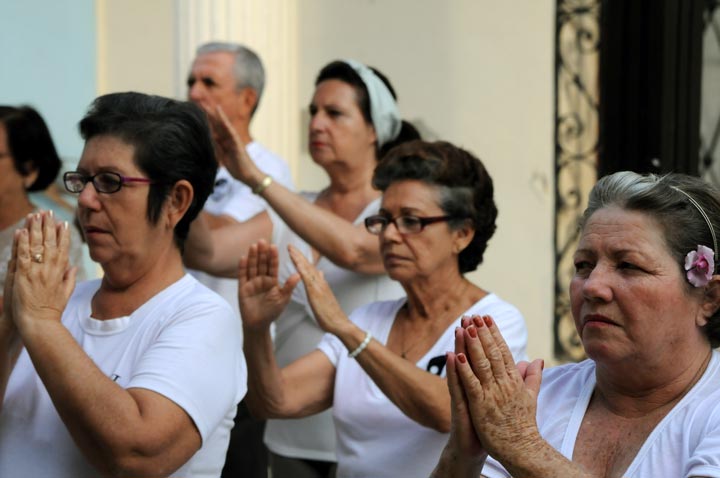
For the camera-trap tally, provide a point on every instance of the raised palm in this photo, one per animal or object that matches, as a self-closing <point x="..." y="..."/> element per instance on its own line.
<point x="262" y="298"/>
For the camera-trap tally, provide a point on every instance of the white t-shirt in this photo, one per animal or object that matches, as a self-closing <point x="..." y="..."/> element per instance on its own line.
<point x="297" y="334"/>
<point x="686" y="443"/>
<point x="375" y="438"/>
<point x="183" y="343"/>
<point x="231" y="197"/>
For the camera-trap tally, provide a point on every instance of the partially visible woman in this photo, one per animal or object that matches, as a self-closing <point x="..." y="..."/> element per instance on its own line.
<point x="28" y="163"/>
<point x="646" y="403"/>
<point x="138" y="373"/>
<point x="383" y="369"/>
<point x="354" y="121"/>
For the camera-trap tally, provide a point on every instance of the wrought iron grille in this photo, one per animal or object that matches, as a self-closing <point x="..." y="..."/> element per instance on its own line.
<point x="577" y="49"/>
<point x="710" y="103"/>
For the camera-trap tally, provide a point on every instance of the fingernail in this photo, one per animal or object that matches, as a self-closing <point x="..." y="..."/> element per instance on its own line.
<point x="65" y="225"/>
<point x="461" y="358"/>
<point x="488" y="320"/>
<point x="472" y="332"/>
<point x="478" y="321"/>
<point x="542" y="364"/>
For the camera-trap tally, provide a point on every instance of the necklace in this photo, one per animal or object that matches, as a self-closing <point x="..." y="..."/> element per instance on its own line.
<point x="404" y="351"/>
<point x="441" y="321"/>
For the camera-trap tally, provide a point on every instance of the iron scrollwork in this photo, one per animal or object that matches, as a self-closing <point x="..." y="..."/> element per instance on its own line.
<point x="577" y="50"/>
<point x="710" y="111"/>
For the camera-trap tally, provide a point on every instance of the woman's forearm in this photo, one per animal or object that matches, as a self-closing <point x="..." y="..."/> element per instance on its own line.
<point x="453" y="464"/>
<point x="218" y="251"/>
<point x="422" y="396"/>
<point x="302" y="388"/>
<point x="9" y="353"/>
<point x="345" y="244"/>
<point x="107" y="422"/>
<point x="265" y="395"/>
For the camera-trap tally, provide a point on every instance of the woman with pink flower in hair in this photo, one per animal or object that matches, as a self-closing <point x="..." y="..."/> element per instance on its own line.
<point x="645" y="299"/>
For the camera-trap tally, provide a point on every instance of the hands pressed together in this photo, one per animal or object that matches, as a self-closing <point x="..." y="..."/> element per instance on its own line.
<point x="493" y="399"/>
<point x="39" y="280"/>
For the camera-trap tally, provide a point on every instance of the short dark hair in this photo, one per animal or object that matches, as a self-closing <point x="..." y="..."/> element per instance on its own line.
<point x="466" y="188"/>
<point x="31" y="145"/>
<point x="682" y="224"/>
<point x="171" y="140"/>
<point x="339" y="70"/>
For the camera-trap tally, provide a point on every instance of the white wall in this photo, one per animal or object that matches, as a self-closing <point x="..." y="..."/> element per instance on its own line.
<point x="136" y="46"/>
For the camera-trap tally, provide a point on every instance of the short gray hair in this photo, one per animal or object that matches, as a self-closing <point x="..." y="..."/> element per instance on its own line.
<point x="660" y="198"/>
<point x="248" y="69"/>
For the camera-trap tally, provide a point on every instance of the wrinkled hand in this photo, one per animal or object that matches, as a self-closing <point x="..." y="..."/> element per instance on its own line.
<point x="39" y="280"/>
<point x="230" y="148"/>
<point x="501" y="396"/>
<point x="328" y="313"/>
<point x="261" y="297"/>
<point x="463" y="438"/>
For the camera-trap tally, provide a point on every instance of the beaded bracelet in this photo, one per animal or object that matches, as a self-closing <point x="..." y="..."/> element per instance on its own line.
<point x="363" y="345"/>
<point x="262" y="186"/>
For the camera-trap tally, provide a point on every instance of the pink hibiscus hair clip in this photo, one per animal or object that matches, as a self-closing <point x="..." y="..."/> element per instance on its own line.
<point x="700" y="266"/>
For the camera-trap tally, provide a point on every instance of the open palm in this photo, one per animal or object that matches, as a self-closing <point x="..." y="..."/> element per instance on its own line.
<point x="262" y="298"/>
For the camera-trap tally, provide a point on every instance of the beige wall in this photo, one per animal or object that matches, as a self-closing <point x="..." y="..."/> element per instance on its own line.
<point x="478" y="73"/>
<point x="136" y="46"/>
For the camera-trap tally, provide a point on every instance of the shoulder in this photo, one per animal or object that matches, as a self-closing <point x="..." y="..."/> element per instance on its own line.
<point x="567" y="379"/>
<point x="381" y="310"/>
<point x="189" y="303"/>
<point x="84" y="290"/>
<point x="188" y="292"/>
<point x="508" y="319"/>
<point x="704" y="399"/>
<point x="270" y="163"/>
<point x="493" y="304"/>
<point x="506" y="316"/>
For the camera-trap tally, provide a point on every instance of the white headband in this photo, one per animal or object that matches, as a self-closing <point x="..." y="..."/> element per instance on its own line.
<point x="383" y="108"/>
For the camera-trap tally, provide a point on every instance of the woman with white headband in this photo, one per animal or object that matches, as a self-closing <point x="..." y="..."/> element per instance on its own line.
<point x="354" y="120"/>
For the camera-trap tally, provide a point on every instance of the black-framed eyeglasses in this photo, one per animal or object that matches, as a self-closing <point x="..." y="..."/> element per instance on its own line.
<point x="105" y="182"/>
<point x="405" y="224"/>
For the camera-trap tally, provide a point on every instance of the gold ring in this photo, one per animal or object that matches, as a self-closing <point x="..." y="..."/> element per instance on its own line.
<point x="37" y="258"/>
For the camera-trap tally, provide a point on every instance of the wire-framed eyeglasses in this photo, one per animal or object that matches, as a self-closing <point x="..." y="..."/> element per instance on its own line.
<point x="405" y="224"/>
<point x="105" y="182"/>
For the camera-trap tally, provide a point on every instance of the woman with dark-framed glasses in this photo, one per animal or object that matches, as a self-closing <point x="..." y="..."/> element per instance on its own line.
<point x="137" y="373"/>
<point x="383" y="368"/>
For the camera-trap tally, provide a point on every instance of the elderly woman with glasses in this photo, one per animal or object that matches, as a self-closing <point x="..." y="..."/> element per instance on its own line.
<point x="138" y="373"/>
<point x="383" y="368"/>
